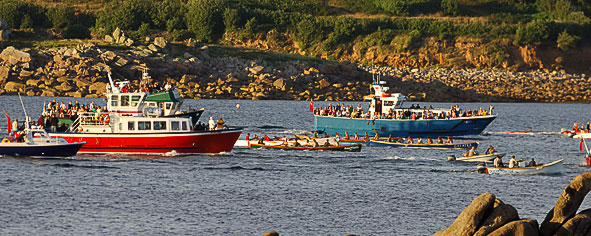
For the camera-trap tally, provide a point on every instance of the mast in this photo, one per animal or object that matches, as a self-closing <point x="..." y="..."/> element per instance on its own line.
<point x="25" y="111"/>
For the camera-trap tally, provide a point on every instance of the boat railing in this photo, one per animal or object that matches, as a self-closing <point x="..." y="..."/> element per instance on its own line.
<point x="91" y="118"/>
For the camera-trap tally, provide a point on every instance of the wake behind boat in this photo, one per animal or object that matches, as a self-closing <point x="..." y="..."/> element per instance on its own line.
<point x="551" y="168"/>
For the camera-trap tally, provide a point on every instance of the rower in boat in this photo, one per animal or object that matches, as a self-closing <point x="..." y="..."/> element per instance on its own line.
<point x="347" y="135"/>
<point x="490" y="150"/>
<point x="439" y="140"/>
<point x="448" y="141"/>
<point x="498" y="162"/>
<point x="366" y="137"/>
<point x="409" y="140"/>
<point x="419" y="141"/>
<point x="356" y="136"/>
<point x="429" y="141"/>
<point x="472" y="152"/>
<point x="376" y="137"/>
<point x="314" y="143"/>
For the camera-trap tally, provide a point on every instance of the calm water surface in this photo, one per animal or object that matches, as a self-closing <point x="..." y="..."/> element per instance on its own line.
<point x="379" y="191"/>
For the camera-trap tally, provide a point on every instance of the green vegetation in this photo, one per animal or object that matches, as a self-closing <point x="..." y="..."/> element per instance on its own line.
<point x="315" y="25"/>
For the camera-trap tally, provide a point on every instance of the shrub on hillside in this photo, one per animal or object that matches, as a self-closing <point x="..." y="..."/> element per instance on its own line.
<point x="125" y="14"/>
<point x="22" y="15"/>
<point x="77" y="31"/>
<point x="566" y="41"/>
<point x="204" y="19"/>
<point x="231" y="19"/>
<point x="169" y="15"/>
<point x="61" y="17"/>
<point x="392" y="7"/>
<point x="344" y="29"/>
<point x="534" y="31"/>
<point x="450" y="7"/>
<point x="308" y="32"/>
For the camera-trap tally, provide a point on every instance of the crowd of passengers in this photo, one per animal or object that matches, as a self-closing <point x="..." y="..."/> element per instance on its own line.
<point x="144" y="86"/>
<point x="342" y="110"/>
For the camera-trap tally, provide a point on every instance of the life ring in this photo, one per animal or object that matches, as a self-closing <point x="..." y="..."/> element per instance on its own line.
<point x="386" y="95"/>
<point x="105" y="118"/>
<point x="5" y="140"/>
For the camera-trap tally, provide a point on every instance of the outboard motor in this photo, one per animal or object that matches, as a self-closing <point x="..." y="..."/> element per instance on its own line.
<point x="451" y="158"/>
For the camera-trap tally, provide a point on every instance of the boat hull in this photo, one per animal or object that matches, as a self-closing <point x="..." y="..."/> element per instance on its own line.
<point x="403" y="128"/>
<point x="464" y="145"/>
<point x="42" y="150"/>
<point x="344" y="148"/>
<point x="552" y="168"/>
<point x="206" y="142"/>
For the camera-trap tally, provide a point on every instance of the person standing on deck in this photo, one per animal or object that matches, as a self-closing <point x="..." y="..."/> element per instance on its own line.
<point x="211" y="123"/>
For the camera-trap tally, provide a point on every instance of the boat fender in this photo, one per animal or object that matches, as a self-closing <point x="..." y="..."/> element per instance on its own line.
<point x="451" y="158"/>
<point x="5" y="140"/>
<point x="105" y="118"/>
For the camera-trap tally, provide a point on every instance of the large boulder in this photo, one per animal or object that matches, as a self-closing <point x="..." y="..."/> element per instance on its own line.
<point x="578" y="225"/>
<point x="271" y="233"/>
<point x="524" y="227"/>
<point x="4" y="73"/>
<point x="500" y="215"/>
<point x="567" y="205"/>
<point x="160" y="42"/>
<point x="471" y="218"/>
<point x="13" y="55"/>
<point x="14" y="87"/>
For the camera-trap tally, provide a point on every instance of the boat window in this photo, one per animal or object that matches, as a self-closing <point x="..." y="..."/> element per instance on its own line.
<point x="159" y="125"/>
<point x="130" y="125"/>
<point x="114" y="100"/>
<point x="144" y="125"/>
<point x="38" y="135"/>
<point x="184" y="123"/>
<point x="135" y="99"/>
<point x="120" y="126"/>
<point x="174" y="125"/>
<point x="125" y="100"/>
<point x="388" y="103"/>
<point x="168" y="105"/>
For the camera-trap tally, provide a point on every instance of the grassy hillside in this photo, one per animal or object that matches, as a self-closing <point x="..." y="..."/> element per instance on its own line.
<point x="318" y="27"/>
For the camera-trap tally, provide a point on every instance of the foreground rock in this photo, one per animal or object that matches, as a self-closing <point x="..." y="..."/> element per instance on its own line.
<point x="487" y="215"/>
<point x="566" y="207"/>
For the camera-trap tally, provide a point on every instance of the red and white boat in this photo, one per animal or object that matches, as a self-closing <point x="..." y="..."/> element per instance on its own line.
<point x="146" y="123"/>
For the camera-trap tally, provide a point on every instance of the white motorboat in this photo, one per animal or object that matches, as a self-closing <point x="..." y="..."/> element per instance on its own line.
<point x="551" y="168"/>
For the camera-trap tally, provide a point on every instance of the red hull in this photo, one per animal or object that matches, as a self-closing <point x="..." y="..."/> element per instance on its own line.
<point x="210" y="142"/>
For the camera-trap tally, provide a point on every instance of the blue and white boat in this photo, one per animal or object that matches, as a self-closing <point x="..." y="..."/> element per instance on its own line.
<point x="396" y="121"/>
<point x="37" y="143"/>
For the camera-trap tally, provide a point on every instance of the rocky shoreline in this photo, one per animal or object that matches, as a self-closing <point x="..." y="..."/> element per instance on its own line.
<point x="201" y="71"/>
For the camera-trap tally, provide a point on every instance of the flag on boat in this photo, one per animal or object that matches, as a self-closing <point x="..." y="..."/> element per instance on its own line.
<point x="581" y="145"/>
<point x="312" y="106"/>
<point x="8" y="119"/>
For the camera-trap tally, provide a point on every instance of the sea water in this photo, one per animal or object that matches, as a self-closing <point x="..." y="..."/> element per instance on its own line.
<point x="378" y="191"/>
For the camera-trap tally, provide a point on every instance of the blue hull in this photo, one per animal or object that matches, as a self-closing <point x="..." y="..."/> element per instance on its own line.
<point x="62" y="150"/>
<point x="403" y="128"/>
